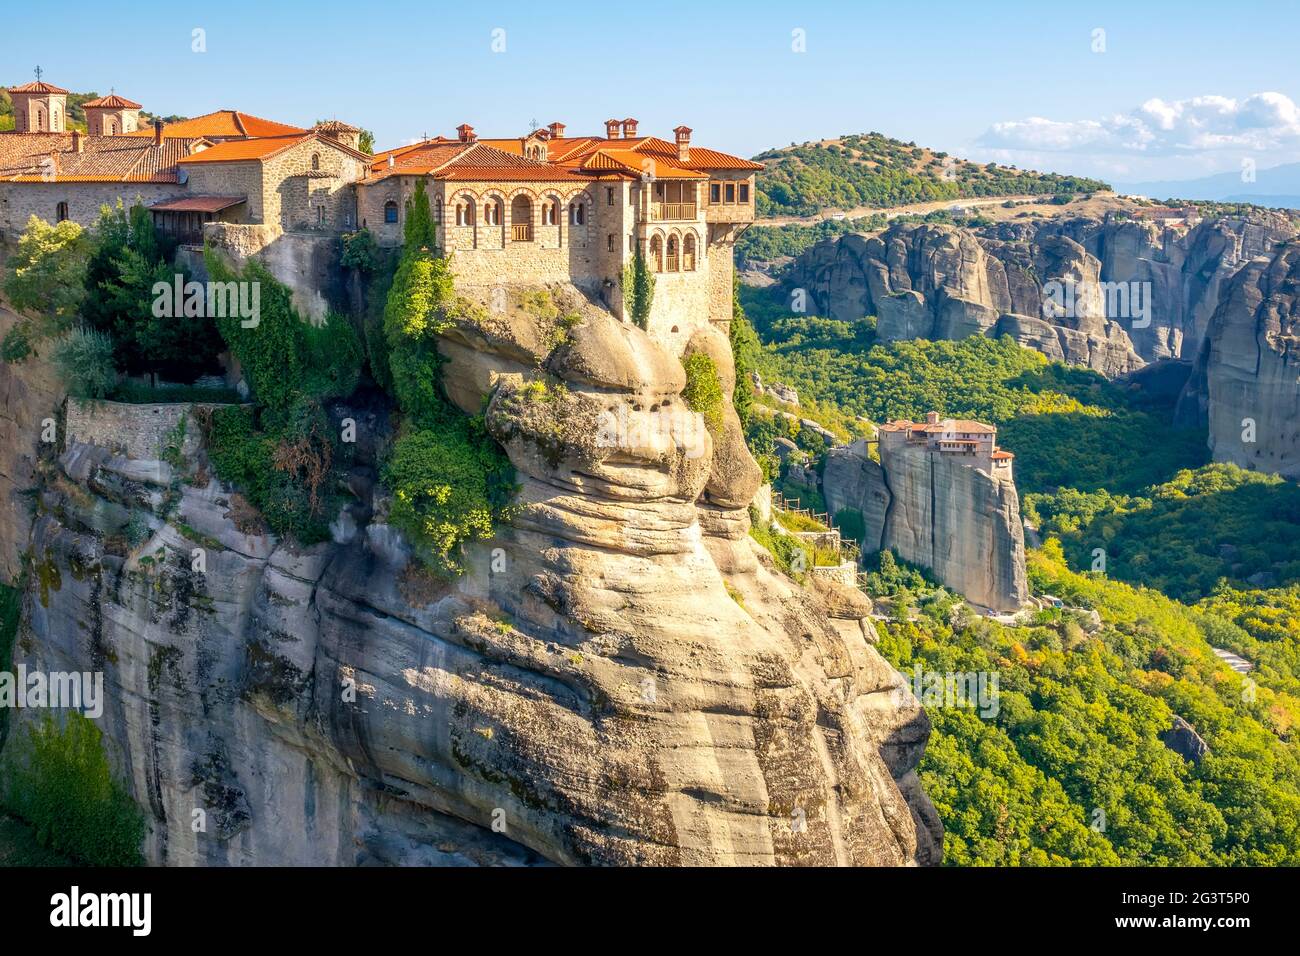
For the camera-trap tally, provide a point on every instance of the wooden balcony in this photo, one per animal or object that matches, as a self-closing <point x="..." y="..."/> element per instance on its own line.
<point x="672" y="211"/>
<point x="672" y="263"/>
<point x="522" y="233"/>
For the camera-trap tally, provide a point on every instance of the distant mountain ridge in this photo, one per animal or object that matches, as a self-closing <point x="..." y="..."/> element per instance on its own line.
<point x="1277" y="186"/>
<point x="872" y="170"/>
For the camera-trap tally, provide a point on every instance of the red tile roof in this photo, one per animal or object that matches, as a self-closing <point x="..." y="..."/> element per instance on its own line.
<point x="238" y="150"/>
<point x="111" y="102"/>
<point x="223" y="124"/>
<point x="40" y="157"/>
<point x="198" y="204"/>
<point x="241" y="150"/>
<point x="39" y="87"/>
<point x="568" y="158"/>
<point x="946" y="426"/>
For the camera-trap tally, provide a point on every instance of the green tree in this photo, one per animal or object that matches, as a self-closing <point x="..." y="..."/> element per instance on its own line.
<point x="638" y="289"/>
<point x="84" y="359"/>
<point x="44" y="273"/>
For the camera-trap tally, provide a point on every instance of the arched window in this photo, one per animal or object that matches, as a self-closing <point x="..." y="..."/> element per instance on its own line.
<point x="110" y="128"/>
<point x="577" y="213"/>
<point x="550" y="212"/>
<point x="657" y="254"/>
<point x="688" y="252"/>
<point x="673" y="263"/>
<point x="437" y="210"/>
<point x="61" y="212"/>
<point x="521" y="219"/>
<point x="315" y="160"/>
<point x="54" y="120"/>
<point x="492" y="212"/>
<point x="40" y="120"/>
<point x="390" y="211"/>
<point x="465" y="211"/>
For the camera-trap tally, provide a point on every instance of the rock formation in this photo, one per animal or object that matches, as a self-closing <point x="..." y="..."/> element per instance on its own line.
<point x="1245" y="385"/>
<point x="946" y="282"/>
<point x="620" y="677"/>
<point x="961" y="522"/>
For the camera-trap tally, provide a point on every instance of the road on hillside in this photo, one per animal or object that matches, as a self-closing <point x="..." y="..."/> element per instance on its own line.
<point x="891" y="212"/>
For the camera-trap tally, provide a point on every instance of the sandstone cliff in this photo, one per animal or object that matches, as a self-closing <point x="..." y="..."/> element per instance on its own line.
<point x="620" y="677"/>
<point x="946" y="282"/>
<point x="962" y="523"/>
<point x="1245" y="385"/>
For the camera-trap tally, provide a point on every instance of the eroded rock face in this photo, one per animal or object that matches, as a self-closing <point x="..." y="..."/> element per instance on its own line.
<point x="621" y="677"/>
<point x="945" y="282"/>
<point x="962" y="523"/>
<point x="1246" y="382"/>
<point x="30" y="396"/>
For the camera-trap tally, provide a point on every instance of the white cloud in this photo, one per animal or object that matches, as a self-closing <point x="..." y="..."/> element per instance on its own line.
<point x="1261" y="122"/>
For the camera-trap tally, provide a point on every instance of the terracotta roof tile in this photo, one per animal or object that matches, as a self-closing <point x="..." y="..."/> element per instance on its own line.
<point x="35" y="157"/>
<point x="198" y="203"/>
<point x="39" y="87"/>
<point x="223" y="124"/>
<point x="238" y="150"/>
<point x="111" y="102"/>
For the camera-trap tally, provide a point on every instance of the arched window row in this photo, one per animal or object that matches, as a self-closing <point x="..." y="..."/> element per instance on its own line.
<point x="675" y="254"/>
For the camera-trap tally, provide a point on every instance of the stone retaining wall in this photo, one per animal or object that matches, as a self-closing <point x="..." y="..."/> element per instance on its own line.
<point x="141" y="432"/>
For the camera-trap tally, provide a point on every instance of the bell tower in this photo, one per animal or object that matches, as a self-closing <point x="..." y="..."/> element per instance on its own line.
<point x="39" y="107"/>
<point x="111" y="115"/>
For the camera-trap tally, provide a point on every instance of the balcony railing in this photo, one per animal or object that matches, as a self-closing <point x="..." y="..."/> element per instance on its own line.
<point x="522" y="233"/>
<point x="672" y="263"/>
<point x="672" y="211"/>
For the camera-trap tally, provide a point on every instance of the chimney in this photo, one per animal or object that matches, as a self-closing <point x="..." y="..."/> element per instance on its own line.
<point x="158" y="131"/>
<point x="557" y="130"/>
<point x="629" y="129"/>
<point x="467" y="134"/>
<point x="683" y="143"/>
<point x="932" y="418"/>
<point x="77" y="146"/>
<point x="611" y="128"/>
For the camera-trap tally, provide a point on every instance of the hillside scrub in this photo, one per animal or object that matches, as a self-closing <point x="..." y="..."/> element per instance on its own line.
<point x="873" y="170"/>
<point x="450" y="481"/>
<point x="59" y="781"/>
<point x="284" y="453"/>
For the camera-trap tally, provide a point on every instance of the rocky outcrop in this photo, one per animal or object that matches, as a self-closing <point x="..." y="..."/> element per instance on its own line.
<point x="1110" y="295"/>
<point x="1245" y="386"/>
<point x="1183" y="740"/>
<point x="30" y="399"/>
<point x="959" y="521"/>
<point x="620" y="677"/>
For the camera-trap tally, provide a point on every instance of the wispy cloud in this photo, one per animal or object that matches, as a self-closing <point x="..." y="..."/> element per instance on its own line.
<point x="1261" y="122"/>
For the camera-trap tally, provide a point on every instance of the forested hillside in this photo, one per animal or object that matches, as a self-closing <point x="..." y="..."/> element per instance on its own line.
<point x="876" y="171"/>
<point x="1072" y="769"/>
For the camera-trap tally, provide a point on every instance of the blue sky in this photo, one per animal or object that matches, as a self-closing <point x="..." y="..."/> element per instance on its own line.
<point x="1018" y="82"/>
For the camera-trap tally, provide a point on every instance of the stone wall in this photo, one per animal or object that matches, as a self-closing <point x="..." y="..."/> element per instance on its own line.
<point x="286" y="190"/>
<point x="140" y="432"/>
<point x="20" y="201"/>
